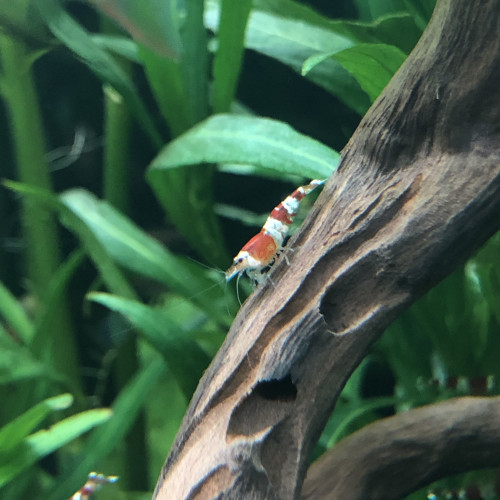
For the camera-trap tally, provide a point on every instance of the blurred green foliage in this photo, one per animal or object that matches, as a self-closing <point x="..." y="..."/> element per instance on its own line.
<point x="111" y="290"/>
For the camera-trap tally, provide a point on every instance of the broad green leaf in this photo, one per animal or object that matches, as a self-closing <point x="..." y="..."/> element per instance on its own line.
<point x="41" y="443"/>
<point x="76" y="38"/>
<point x="291" y="32"/>
<point x="256" y="171"/>
<point x="267" y="143"/>
<point x="184" y="357"/>
<point x="245" y="217"/>
<point x="14" y="315"/>
<point x="14" y="432"/>
<point x="109" y="435"/>
<point x="291" y="41"/>
<point x="373" y="65"/>
<point x="421" y="10"/>
<point x="227" y="63"/>
<point x="395" y="28"/>
<point x="135" y="250"/>
<point x="398" y="30"/>
<point x="153" y="23"/>
<point x="381" y="7"/>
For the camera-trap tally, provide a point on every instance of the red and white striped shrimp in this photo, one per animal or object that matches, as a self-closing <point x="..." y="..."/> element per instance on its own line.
<point x="94" y="482"/>
<point x="262" y="249"/>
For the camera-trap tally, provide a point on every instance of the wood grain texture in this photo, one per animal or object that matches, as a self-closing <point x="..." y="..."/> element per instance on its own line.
<point x="417" y="192"/>
<point x="395" y="456"/>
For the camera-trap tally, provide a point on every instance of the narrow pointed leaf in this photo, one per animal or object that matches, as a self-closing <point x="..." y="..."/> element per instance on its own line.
<point x="76" y="38"/>
<point x="40" y="444"/>
<point x="132" y="248"/>
<point x="184" y="357"/>
<point x="14" y="432"/>
<point x="14" y="315"/>
<point x="109" y="435"/>
<point x="228" y="58"/>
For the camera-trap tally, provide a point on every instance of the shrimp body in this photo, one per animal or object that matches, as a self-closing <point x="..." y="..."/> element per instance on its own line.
<point x="94" y="483"/>
<point x="262" y="249"/>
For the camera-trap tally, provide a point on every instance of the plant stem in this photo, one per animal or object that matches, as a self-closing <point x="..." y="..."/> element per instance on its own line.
<point x="116" y="183"/>
<point x="39" y="227"/>
<point x="116" y="190"/>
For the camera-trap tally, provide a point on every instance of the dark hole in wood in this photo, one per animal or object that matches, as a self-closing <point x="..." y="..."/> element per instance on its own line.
<point x="282" y="389"/>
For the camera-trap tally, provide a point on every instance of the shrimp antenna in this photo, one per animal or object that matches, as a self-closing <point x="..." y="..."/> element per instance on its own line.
<point x="238" y="288"/>
<point x="214" y="268"/>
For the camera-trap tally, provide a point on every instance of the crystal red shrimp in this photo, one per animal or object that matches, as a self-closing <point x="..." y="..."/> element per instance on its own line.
<point x="262" y="249"/>
<point x="94" y="482"/>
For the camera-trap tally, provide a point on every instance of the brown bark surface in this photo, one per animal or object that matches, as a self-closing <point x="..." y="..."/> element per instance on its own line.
<point x="395" y="456"/>
<point x="417" y="192"/>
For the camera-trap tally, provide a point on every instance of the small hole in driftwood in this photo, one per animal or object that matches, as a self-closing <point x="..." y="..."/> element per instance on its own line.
<point x="277" y="389"/>
<point x="269" y="402"/>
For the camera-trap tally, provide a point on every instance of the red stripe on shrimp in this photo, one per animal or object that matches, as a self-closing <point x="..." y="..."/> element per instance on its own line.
<point x="262" y="249"/>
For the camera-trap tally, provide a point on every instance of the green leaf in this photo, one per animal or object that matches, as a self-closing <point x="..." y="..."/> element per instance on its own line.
<point x="381" y="7"/>
<point x="46" y="441"/>
<point x="194" y="63"/>
<point x="71" y="34"/>
<point x="181" y="89"/>
<point x="42" y="345"/>
<point x="153" y="23"/>
<point x="110" y="273"/>
<point x="40" y="444"/>
<point x="120" y="45"/>
<point x="109" y="435"/>
<point x="399" y="30"/>
<point x="292" y="39"/>
<point x="227" y="63"/>
<point x="132" y="248"/>
<point x="373" y="65"/>
<point x="270" y="144"/>
<point x="245" y="217"/>
<point x="166" y="81"/>
<point x="14" y="432"/>
<point x="394" y="28"/>
<point x="17" y="363"/>
<point x="421" y="11"/>
<point x="109" y="236"/>
<point x="181" y="86"/>
<point x="291" y="33"/>
<point x="356" y="410"/>
<point x="184" y="357"/>
<point x="13" y="314"/>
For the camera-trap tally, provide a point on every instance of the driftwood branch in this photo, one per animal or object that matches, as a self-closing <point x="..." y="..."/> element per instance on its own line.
<point x="417" y="192"/>
<point x="395" y="456"/>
